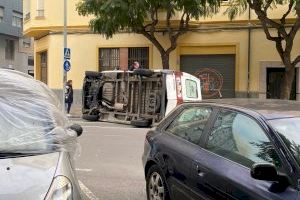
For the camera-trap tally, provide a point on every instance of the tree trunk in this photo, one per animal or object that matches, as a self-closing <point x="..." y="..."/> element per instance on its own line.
<point x="288" y="80"/>
<point x="165" y="60"/>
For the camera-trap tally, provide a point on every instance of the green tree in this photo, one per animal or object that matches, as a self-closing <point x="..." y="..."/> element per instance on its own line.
<point x="142" y="17"/>
<point x="279" y="31"/>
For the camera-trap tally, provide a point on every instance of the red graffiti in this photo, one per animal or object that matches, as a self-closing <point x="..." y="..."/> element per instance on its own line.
<point x="211" y="82"/>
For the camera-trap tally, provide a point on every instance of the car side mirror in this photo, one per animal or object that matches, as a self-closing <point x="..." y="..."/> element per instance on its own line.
<point x="268" y="172"/>
<point x="77" y="128"/>
<point x="264" y="171"/>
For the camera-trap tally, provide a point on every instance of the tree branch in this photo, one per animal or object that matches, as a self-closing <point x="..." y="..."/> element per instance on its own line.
<point x="184" y="23"/>
<point x="280" y="50"/>
<point x="154" y="19"/>
<point x="168" y="19"/>
<point x="262" y="15"/>
<point x="296" y="61"/>
<point x="267" y="32"/>
<point x="295" y="28"/>
<point x="268" y="4"/>
<point x="291" y="4"/>
<point x="152" y="39"/>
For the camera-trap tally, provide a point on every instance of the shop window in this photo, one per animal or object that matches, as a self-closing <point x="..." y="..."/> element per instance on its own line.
<point x="109" y="59"/>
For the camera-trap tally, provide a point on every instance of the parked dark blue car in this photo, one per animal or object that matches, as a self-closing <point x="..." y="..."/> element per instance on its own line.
<point x="225" y="149"/>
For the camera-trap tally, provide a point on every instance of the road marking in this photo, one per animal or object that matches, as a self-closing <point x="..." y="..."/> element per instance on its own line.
<point x="87" y="191"/>
<point x="109" y="127"/>
<point x="83" y="170"/>
<point x="112" y="135"/>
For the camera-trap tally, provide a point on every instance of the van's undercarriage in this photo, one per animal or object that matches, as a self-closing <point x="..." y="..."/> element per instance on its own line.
<point x="137" y="97"/>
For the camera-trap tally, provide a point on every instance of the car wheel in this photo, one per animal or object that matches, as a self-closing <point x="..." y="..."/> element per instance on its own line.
<point x="92" y="118"/>
<point x="143" y="72"/>
<point x="141" y="123"/>
<point x="156" y="186"/>
<point x="92" y="74"/>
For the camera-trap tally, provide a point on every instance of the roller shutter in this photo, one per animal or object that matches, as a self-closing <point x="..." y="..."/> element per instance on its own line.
<point x="216" y="72"/>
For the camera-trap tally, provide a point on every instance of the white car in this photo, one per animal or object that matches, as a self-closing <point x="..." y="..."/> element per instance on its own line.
<point x="141" y="97"/>
<point x="37" y="145"/>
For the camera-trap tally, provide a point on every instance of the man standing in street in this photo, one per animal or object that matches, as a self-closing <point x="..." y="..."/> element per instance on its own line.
<point x="69" y="97"/>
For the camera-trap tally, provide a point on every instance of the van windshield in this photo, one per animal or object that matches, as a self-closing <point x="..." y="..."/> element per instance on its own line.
<point x="191" y="89"/>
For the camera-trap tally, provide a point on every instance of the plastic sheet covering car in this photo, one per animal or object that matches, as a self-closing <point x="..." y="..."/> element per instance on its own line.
<point x="31" y="120"/>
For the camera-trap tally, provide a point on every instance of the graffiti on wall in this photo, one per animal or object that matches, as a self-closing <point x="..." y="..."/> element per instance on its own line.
<point x="211" y="82"/>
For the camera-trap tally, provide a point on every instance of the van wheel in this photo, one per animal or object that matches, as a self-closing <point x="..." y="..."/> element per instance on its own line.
<point x="93" y="74"/>
<point x="141" y="123"/>
<point x="143" y="72"/>
<point x="92" y="118"/>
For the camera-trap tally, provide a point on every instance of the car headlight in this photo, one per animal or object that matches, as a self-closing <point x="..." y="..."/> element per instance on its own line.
<point x="61" y="189"/>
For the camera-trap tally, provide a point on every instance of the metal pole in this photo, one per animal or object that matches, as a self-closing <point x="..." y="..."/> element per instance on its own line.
<point x="249" y="54"/>
<point x="65" y="46"/>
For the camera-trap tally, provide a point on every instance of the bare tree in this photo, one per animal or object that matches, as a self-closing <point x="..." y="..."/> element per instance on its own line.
<point x="285" y="33"/>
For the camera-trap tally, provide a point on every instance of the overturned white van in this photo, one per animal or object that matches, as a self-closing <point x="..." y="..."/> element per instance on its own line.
<point x="141" y="97"/>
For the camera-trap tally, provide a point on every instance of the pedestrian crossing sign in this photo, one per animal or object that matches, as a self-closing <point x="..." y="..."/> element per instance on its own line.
<point x="67" y="53"/>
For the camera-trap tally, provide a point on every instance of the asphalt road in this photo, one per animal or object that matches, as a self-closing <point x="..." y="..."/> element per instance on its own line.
<point x="110" y="166"/>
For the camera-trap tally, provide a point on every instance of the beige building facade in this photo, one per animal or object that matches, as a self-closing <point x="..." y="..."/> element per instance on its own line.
<point x="231" y="56"/>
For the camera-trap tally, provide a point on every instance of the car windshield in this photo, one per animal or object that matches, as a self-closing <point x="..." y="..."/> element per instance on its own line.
<point x="288" y="129"/>
<point x="31" y="120"/>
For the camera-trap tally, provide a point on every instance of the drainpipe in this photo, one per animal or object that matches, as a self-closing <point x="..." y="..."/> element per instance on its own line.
<point x="249" y="53"/>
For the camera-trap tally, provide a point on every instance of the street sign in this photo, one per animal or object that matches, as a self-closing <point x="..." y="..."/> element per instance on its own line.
<point x="67" y="65"/>
<point x="67" y="53"/>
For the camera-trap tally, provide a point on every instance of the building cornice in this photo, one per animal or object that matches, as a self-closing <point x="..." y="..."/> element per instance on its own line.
<point x="40" y="31"/>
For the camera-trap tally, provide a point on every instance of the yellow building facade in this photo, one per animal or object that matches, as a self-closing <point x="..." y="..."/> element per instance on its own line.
<point x="214" y="45"/>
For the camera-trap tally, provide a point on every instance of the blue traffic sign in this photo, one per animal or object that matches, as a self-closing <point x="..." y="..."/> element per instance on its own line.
<point x="67" y="53"/>
<point x="67" y="65"/>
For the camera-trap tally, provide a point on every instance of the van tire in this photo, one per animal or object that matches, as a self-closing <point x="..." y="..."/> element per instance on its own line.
<point x="143" y="72"/>
<point x="91" y="118"/>
<point x="141" y="123"/>
<point x="92" y="74"/>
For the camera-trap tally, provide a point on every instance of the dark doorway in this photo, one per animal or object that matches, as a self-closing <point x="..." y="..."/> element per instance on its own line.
<point x="44" y="67"/>
<point x="274" y="83"/>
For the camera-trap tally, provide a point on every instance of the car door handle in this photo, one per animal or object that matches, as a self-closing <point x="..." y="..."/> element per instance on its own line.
<point x="200" y="172"/>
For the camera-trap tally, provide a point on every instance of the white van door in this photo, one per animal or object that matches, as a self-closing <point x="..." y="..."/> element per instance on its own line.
<point x="191" y="88"/>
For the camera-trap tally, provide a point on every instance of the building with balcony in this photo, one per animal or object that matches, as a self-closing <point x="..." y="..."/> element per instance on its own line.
<point x="233" y="56"/>
<point x="16" y="51"/>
